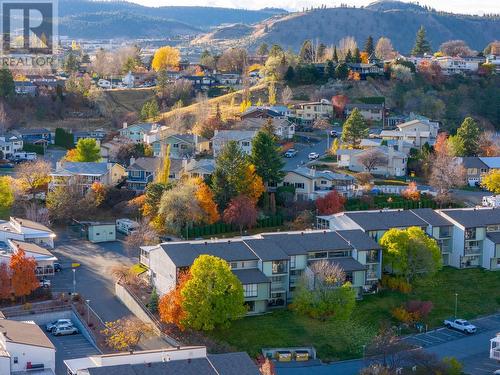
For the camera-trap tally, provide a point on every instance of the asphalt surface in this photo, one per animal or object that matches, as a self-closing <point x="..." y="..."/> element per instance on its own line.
<point x="70" y="347"/>
<point x="303" y="151"/>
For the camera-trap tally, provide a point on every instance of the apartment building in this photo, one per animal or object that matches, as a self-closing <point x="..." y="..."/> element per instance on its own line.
<point x="269" y="265"/>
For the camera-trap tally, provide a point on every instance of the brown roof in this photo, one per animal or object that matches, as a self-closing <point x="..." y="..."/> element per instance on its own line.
<point x="31" y="247"/>
<point x="24" y="333"/>
<point x="31" y="224"/>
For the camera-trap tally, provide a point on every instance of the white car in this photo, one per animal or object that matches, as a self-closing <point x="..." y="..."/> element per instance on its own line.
<point x="461" y="325"/>
<point x="64" y="330"/>
<point x="50" y="326"/>
<point x="45" y="283"/>
<point x="313" y="156"/>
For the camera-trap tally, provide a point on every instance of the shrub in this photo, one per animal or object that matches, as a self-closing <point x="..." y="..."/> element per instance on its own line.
<point x="402" y="315"/>
<point x="396" y="283"/>
<point x="420" y="308"/>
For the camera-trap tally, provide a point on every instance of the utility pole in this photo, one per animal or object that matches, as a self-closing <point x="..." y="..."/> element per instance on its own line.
<point x="456" y="304"/>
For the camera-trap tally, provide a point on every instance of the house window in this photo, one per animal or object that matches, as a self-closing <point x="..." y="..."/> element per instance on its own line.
<point x="293" y="261"/>
<point x="470" y="233"/>
<point x="250" y="305"/>
<point x="175" y="145"/>
<point x="135" y="173"/>
<point x="299" y="185"/>
<point x="323" y="182"/>
<point x="493" y="228"/>
<point x="16" y="360"/>
<point x="339" y="254"/>
<point x="245" y="144"/>
<point x="250" y="290"/>
<point x="318" y="255"/>
<point x="234" y="265"/>
<point x="279" y="266"/>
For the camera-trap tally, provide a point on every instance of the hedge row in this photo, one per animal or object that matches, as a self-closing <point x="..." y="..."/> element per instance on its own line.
<point x="220" y="228"/>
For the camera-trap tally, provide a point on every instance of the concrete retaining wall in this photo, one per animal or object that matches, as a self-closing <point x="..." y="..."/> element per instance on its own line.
<point x="44" y="318"/>
<point x="84" y="329"/>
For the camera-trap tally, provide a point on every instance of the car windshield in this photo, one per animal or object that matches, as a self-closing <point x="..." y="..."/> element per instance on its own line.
<point x="465" y="323"/>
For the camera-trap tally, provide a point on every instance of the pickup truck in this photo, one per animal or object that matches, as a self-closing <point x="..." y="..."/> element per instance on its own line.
<point x="460" y="325"/>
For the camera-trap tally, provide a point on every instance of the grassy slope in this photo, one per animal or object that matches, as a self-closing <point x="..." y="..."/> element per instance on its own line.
<point x="478" y="295"/>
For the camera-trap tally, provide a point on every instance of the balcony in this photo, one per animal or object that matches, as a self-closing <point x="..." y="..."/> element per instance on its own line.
<point x="279" y="267"/>
<point x="371" y="275"/>
<point x="278" y="287"/>
<point x="495" y="354"/>
<point x="472" y="250"/>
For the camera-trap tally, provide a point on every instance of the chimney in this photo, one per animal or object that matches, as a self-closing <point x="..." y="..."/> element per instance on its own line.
<point x="132" y="160"/>
<point x="125" y="125"/>
<point x="184" y="163"/>
<point x="313" y="172"/>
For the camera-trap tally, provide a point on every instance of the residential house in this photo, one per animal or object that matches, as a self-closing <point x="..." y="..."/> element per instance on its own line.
<point x="182" y="145"/>
<point x="266" y="112"/>
<point x="110" y="149"/>
<point x="201" y="83"/>
<point x="417" y="132"/>
<point x="394" y="165"/>
<point x="86" y="173"/>
<point x="10" y="144"/>
<point x="26" y="231"/>
<point x="475" y="230"/>
<point x="367" y="69"/>
<point x="269" y="265"/>
<point x="185" y="360"/>
<point x="283" y="128"/>
<point x="451" y="65"/>
<point x="310" y="184"/>
<point x="97" y="134"/>
<point x="144" y="170"/>
<point x="25" y="88"/>
<point x="243" y="138"/>
<point x="495" y="61"/>
<point x="24" y="348"/>
<point x="228" y="79"/>
<point x="370" y="112"/>
<point x="198" y="168"/>
<point x="38" y="136"/>
<point x="136" y="132"/>
<point x="44" y="258"/>
<point x="476" y="167"/>
<point x="312" y="111"/>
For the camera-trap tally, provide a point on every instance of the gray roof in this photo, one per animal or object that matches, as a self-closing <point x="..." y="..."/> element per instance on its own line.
<point x="234" y="135"/>
<point x="348" y="264"/>
<point x="472" y="217"/>
<point x="494" y="237"/>
<point x="238" y="363"/>
<point x="145" y="164"/>
<point x="385" y="220"/>
<point x="493" y="162"/>
<point x="31" y="131"/>
<point x="267" y="249"/>
<point x="251" y="276"/>
<point x="431" y="217"/>
<point x="145" y="126"/>
<point x="24" y="333"/>
<point x="303" y="242"/>
<point x="362" y="106"/>
<point x="183" y="254"/>
<point x="327" y="175"/>
<point x="473" y="162"/>
<point x="359" y="239"/>
<point x="86" y="168"/>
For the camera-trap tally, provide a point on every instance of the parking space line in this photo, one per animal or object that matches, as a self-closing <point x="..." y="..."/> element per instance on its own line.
<point x="421" y="339"/>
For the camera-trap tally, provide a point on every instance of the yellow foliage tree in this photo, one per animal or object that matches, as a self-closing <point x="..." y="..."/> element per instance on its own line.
<point x="364" y="57"/>
<point x="166" y="57"/>
<point x="206" y="201"/>
<point x="491" y="181"/>
<point x="253" y="185"/>
<point x="165" y="167"/>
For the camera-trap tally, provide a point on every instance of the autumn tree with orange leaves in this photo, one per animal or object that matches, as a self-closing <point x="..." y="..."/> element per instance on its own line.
<point x="170" y="305"/>
<point x="411" y="192"/>
<point x="24" y="280"/>
<point x="206" y="201"/>
<point x="331" y="203"/>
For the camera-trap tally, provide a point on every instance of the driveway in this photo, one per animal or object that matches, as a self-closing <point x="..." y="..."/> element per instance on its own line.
<point x="303" y="151"/>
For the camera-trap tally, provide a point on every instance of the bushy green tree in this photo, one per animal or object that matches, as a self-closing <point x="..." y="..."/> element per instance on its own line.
<point x="87" y="150"/>
<point x="213" y="296"/>
<point x="64" y="139"/>
<point x="266" y="157"/>
<point x="306" y="53"/>
<point x="422" y="45"/>
<point x="466" y="141"/>
<point x="6" y="193"/>
<point x="342" y="71"/>
<point x="150" y="109"/>
<point x="153" y="301"/>
<point x="7" y="87"/>
<point x="354" y="129"/>
<point x="410" y="253"/>
<point x="369" y="47"/>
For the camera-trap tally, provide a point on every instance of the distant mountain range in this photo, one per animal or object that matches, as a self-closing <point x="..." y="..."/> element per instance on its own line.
<point x="96" y="19"/>
<point x="122" y="19"/>
<point x="393" y="19"/>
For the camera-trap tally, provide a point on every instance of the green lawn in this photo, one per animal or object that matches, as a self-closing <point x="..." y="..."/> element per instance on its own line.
<point x="478" y="294"/>
<point x="4" y="214"/>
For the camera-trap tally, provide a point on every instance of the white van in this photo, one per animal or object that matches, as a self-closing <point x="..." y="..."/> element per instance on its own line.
<point x="24" y="156"/>
<point x="491" y="201"/>
<point x="126" y="226"/>
<point x="104" y="84"/>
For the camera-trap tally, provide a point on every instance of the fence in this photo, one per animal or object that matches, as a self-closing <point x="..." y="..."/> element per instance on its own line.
<point x="220" y="228"/>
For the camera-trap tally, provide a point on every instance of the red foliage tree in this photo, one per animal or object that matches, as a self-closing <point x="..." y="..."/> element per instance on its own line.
<point x="419" y="308"/>
<point x="241" y="211"/>
<point x="5" y="283"/>
<point x="431" y="71"/>
<point x="331" y="203"/>
<point x="339" y="102"/>
<point x="170" y="305"/>
<point x="24" y="280"/>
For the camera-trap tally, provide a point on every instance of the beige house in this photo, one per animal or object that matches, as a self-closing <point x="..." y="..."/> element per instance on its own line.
<point x="310" y="184"/>
<point x="395" y="164"/>
<point x="312" y="111"/>
<point x="243" y="138"/>
<point x="86" y="173"/>
<point x="418" y="132"/>
<point x="370" y="112"/>
<point x="283" y="128"/>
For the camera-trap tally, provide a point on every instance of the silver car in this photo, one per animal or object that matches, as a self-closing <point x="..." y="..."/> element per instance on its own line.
<point x="64" y="330"/>
<point x="50" y="326"/>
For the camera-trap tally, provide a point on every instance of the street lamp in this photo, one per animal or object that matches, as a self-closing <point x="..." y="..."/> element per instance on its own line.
<point x="456" y="304"/>
<point x="364" y="350"/>
<point x="74" y="280"/>
<point x="88" y="311"/>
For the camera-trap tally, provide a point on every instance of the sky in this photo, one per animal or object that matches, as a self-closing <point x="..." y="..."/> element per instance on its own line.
<point x="455" y="6"/>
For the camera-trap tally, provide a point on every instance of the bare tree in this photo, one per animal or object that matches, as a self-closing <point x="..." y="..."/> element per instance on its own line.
<point x="144" y="235"/>
<point x="456" y="48"/>
<point x="286" y="95"/>
<point x="36" y="213"/>
<point x="372" y="158"/>
<point x="346" y="44"/>
<point x="388" y="350"/>
<point x="34" y="176"/>
<point x="489" y="144"/>
<point x="384" y="49"/>
<point x="327" y="274"/>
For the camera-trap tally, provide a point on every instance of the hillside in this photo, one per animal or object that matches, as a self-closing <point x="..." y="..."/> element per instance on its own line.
<point x="122" y="19"/>
<point x="398" y="21"/>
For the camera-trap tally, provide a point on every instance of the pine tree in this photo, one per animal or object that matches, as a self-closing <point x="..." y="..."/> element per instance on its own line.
<point x="153" y="301"/>
<point x="341" y="71"/>
<point x="266" y="158"/>
<point x="356" y="58"/>
<point x="369" y="48"/>
<point x="348" y="57"/>
<point x="330" y="69"/>
<point x="354" y="129"/>
<point x="306" y="53"/>
<point x="320" y="54"/>
<point x="422" y="45"/>
<point x="466" y="142"/>
<point x="335" y="55"/>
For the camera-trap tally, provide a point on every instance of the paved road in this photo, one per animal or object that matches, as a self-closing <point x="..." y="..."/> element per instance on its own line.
<point x="303" y="151"/>
<point x="53" y="156"/>
<point x="70" y="347"/>
<point x="471" y="350"/>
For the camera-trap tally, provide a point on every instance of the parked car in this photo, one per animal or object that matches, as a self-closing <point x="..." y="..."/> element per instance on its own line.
<point x="313" y="156"/>
<point x="334" y="134"/>
<point x="50" y="326"/>
<point x="290" y="153"/>
<point x="64" y="330"/>
<point x="57" y="267"/>
<point x="460" y="325"/>
<point x="45" y="283"/>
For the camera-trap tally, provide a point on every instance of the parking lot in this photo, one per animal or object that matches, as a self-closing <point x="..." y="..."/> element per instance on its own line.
<point x="69" y="347"/>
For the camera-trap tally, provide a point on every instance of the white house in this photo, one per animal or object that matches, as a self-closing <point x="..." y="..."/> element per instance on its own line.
<point x="43" y="257"/>
<point x="394" y="165"/>
<point x="312" y="111"/>
<point x="243" y="138"/>
<point x="24" y="348"/>
<point x="136" y="132"/>
<point x="10" y="144"/>
<point x="27" y="231"/>
<point x="451" y="65"/>
<point x="415" y="131"/>
<point x="86" y="173"/>
<point x="283" y="128"/>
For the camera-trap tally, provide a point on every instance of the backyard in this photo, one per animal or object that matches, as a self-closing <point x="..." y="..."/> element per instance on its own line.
<point x="334" y="340"/>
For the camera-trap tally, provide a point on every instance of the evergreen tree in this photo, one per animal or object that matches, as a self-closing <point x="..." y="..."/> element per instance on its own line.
<point x="342" y="71"/>
<point x="348" y="57"/>
<point x="153" y="301"/>
<point x="466" y="142"/>
<point x="422" y="45"/>
<point x="263" y="49"/>
<point x="266" y="157"/>
<point x="306" y="53"/>
<point x="7" y="86"/>
<point x="289" y="74"/>
<point x="320" y="55"/>
<point x="369" y="48"/>
<point x="356" y="58"/>
<point x="275" y="50"/>
<point x="354" y="129"/>
<point x="335" y="55"/>
<point x="330" y="69"/>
